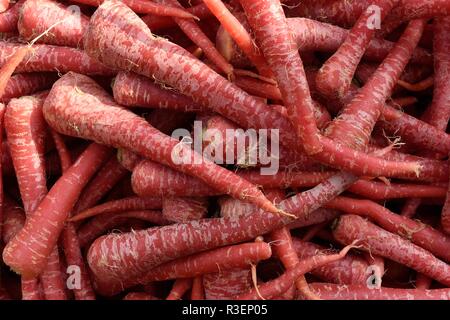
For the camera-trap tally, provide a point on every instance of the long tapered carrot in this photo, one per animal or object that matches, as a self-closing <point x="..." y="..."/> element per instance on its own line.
<point x="27" y="253"/>
<point x="336" y="74"/>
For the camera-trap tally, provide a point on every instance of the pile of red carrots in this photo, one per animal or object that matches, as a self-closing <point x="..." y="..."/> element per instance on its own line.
<point x="94" y="205"/>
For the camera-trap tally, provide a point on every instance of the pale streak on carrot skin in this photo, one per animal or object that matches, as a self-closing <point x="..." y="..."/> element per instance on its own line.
<point x="336" y="74"/>
<point x="281" y="284"/>
<point x="355" y="123"/>
<point x="53" y="58"/>
<point x="115" y="206"/>
<point x="67" y="27"/>
<point x="378" y="241"/>
<point x="329" y="291"/>
<point x="281" y="54"/>
<point x="9" y="18"/>
<point x="197" y="36"/>
<point x="45" y="224"/>
<point x="174" y="66"/>
<point x="69" y="110"/>
<point x="352" y="269"/>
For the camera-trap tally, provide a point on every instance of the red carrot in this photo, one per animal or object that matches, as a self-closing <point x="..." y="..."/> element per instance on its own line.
<point x="139" y="296"/>
<point x="133" y="90"/>
<point x="419" y="86"/>
<point x="376" y="240"/>
<point x="155" y="22"/>
<point x="351" y="269"/>
<point x="356" y="121"/>
<point x="197" y="36"/>
<point x="281" y="284"/>
<point x="239" y="34"/>
<point x="180" y="287"/>
<point x="9" y="18"/>
<point x="227" y="284"/>
<point x="126" y="204"/>
<point x="58" y="24"/>
<point x="105" y="179"/>
<point x="99" y="225"/>
<point x="419" y="233"/>
<point x="52" y="58"/>
<point x="279" y="50"/>
<point x="142" y="138"/>
<point x="27" y="83"/>
<point x="29" y="258"/>
<point x="64" y="155"/>
<point x="10" y="65"/>
<point x="337" y="72"/>
<point x="147" y="7"/>
<point x="13" y="219"/>
<point x="328" y="291"/>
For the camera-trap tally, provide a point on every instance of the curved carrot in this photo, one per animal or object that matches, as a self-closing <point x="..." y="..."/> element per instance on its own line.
<point x="27" y="253"/>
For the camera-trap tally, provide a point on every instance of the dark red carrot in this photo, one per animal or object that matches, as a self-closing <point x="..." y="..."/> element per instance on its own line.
<point x="29" y="258"/>
<point x="376" y="240"/>
<point x="328" y="291"/>
<point x="281" y="284"/>
<point x="52" y="58"/>
<point x="335" y="75"/>
<point x="58" y="24"/>
<point x="419" y="86"/>
<point x="64" y="155"/>
<point x="115" y="206"/>
<point x="13" y="219"/>
<point x="139" y="296"/>
<point x="141" y="137"/>
<point x="165" y="62"/>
